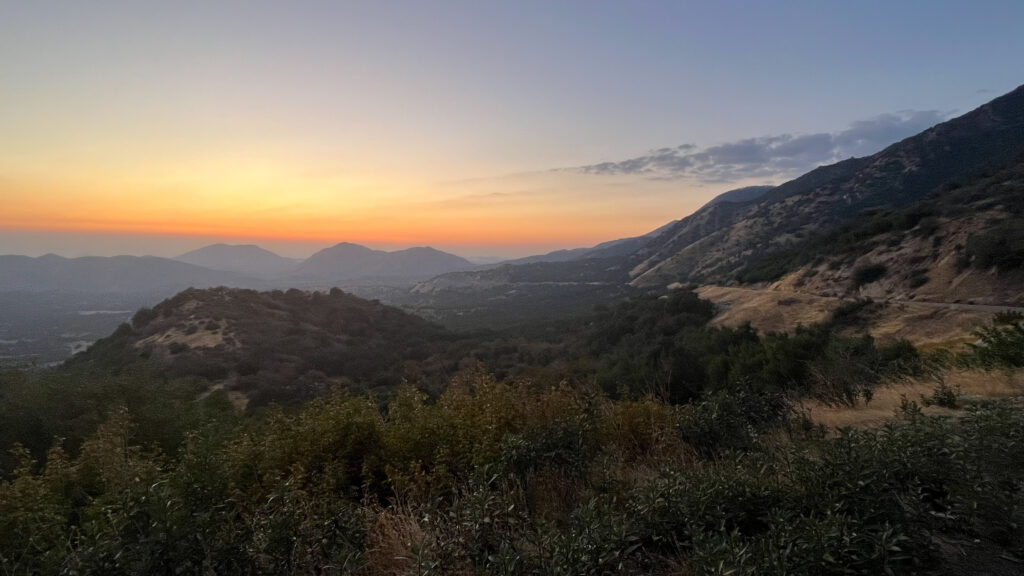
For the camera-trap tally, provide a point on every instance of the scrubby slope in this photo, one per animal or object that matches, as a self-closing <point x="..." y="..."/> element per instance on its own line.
<point x="278" y="346"/>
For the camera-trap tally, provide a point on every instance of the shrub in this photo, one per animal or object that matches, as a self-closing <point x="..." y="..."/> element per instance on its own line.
<point x="999" y="346"/>
<point x="731" y="420"/>
<point x="143" y="317"/>
<point x="1000" y="246"/>
<point x="927" y="227"/>
<point x="918" y="278"/>
<point x="868" y="273"/>
<point x="943" y="395"/>
<point x="850" y="313"/>
<point x="1007" y="317"/>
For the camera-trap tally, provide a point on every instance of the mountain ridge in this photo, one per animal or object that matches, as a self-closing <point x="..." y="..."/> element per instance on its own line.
<point x="347" y="262"/>
<point x="716" y="242"/>
<point x="243" y="258"/>
<point x="116" y="274"/>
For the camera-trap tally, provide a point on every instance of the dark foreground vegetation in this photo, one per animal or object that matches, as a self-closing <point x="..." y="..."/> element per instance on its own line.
<point x="668" y="448"/>
<point x="290" y="347"/>
<point x="505" y="479"/>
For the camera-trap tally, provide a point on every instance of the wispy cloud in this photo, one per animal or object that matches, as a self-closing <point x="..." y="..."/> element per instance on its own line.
<point x="773" y="156"/>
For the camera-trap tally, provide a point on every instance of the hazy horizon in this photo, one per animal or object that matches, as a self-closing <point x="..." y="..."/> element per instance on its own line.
<point x="76" y="245"/>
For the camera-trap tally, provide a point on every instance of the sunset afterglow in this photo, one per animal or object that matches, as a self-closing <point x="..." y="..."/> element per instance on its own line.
<point x="482" y="129"/>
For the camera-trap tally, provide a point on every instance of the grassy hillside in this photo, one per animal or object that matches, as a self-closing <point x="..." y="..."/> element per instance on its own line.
<point x="964" y="241"/>
<point x="719" y="242"/>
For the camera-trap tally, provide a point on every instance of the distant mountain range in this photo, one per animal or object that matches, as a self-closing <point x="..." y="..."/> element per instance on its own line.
<point x="245" y="266"/>
<point x="347" y="262"/>
<point x="244" y="258"/>
<point x="118" y="274"/>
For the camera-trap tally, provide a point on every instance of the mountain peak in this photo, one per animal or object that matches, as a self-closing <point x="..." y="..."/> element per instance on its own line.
<point x="350" y="246"/>
<point x="244" y="258"/>
<point x="349" y="262"/>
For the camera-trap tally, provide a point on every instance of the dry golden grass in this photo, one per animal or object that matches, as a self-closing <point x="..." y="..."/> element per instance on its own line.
<point x="782" y="309"/>
<point x="767" y="310"/>
<point x="395" y="540"/>
<point x="973" y="385"/>
<point x="928" y="326"/>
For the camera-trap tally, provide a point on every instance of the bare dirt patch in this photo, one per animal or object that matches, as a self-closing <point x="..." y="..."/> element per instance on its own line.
<point x="195" y="333"/>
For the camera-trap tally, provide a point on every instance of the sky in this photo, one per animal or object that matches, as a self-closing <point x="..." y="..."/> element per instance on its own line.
<point x="482" y="128"/>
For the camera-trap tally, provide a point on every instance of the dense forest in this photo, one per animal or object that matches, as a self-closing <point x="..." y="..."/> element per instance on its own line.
<point x="636" y="439"/>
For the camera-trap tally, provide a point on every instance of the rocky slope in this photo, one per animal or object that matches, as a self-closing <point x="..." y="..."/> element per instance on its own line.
<point x="719" y="241"/>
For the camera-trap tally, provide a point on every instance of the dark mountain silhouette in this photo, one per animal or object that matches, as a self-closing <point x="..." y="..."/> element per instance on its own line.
<point x="348" y="262"/>
<point x="740" y="195"/>
<point x="243" y="258"/>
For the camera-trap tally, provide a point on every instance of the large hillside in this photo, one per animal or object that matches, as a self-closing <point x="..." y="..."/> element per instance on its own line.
<point x="277" y="346"/>
<point x="963" y="243"/>
<point x="719" y="241"/>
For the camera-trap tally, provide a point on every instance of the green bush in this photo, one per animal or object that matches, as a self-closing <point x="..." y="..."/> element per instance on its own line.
<point x="999" y="346"/>
<point x="730" y="421"/>
<point x="1000" y="246"/>
<point x="295" y="493"/>
<point x="943" y="395"/>
<point x="918" y="278"/>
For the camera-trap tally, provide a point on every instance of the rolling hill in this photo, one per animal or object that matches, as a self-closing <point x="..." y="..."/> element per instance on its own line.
<point x="279" y="346"/>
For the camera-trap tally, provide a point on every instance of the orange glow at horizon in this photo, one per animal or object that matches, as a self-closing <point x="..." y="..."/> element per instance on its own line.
<point x="285" y="203"/>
